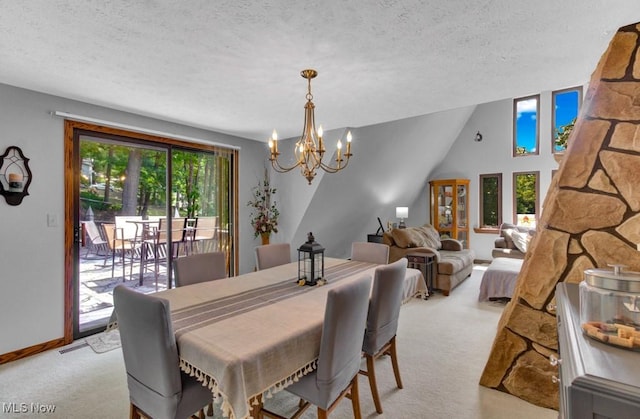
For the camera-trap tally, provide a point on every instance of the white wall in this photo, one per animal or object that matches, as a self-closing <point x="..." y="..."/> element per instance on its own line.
<point x="31" y="253"/>
<point x="468" y="159"/>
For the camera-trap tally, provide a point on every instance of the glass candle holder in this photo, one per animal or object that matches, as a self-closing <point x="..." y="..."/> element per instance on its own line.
<point x="15" y="182"/>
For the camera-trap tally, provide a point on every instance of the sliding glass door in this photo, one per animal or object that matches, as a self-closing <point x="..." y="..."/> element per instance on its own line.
<point x="137" y="205"/>
<point x="202" y="193"/>
<point x="122" y="197"/>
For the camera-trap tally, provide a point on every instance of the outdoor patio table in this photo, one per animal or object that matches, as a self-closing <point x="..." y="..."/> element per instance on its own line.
<point x="255" y="333"/>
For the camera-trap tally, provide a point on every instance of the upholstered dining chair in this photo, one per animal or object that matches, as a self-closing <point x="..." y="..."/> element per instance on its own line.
<point x="336" y="375"/>
<point x="270" y="255"/>
<point x="382" y="322"/>
<point x="370" y="252"/>
<point x="200" y="267"/>
<point x="157" y="387"/>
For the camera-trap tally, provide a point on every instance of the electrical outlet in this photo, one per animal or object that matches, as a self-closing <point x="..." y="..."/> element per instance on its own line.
<point x="52" y="220"/>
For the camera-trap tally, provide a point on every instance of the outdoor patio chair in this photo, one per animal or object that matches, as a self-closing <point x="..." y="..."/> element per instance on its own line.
<point x="120" y="246"/>
<point x="204" y="234"/>
<point x="97" y="244"/>
<point x="157" y="244"/>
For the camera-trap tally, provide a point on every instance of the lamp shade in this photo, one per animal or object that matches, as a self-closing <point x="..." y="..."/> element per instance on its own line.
<point x="402" y="212"/>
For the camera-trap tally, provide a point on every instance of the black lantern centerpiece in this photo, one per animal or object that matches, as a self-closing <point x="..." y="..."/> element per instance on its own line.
<point x="310" y="262"/>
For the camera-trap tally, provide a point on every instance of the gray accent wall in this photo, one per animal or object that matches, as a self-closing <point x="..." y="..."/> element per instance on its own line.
<point x="391" y="167"/>
<point x="32" y="253"/>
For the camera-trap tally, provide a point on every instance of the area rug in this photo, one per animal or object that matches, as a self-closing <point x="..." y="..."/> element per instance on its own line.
<point x="104" y="342"/>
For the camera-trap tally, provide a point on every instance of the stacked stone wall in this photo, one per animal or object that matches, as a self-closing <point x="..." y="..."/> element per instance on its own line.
<point x="591" y="219"/>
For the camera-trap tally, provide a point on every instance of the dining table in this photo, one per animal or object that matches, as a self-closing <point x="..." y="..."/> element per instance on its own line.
<point x="248" y="336"/>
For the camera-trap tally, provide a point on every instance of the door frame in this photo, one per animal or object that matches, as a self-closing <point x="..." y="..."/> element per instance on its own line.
<point x="72" y="131"/>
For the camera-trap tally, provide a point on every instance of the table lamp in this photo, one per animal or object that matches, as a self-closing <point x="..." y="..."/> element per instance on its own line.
<point x="402" y="213"/>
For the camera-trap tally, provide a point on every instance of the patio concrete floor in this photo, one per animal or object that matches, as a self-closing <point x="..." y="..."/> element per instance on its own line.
<point x="97" y="284"/>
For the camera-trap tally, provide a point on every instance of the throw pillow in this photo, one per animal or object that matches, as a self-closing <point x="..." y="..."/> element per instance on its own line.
<point x="420" y="239"/>
<point x="402" y="237"/>
<point x="520" y="240"/>
<point x="432" y="236"/>
<point x="506" y="233"/>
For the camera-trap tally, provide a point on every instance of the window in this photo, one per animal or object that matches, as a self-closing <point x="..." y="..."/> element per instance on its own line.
<point x="490" y="200"/>
<point x="525" y="198"/>
<point x="525" y="125"/>
<point x="566" y="105"/>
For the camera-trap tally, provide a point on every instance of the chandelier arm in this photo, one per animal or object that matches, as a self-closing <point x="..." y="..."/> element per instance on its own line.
<point x="334" y="169"/>
<point x="280" y="169"/>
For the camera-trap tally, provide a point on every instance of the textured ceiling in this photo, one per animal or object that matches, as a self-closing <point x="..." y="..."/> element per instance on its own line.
<point x="233" y="66"/>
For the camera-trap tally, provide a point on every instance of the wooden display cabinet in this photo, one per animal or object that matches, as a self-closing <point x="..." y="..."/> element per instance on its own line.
<point x="450" y="208"/>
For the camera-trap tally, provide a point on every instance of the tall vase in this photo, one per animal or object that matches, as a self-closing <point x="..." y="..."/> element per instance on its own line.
<point x="265" y="238"/>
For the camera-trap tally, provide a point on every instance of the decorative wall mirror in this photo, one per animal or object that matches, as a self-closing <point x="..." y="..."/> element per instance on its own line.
<point x="15" y="175"/>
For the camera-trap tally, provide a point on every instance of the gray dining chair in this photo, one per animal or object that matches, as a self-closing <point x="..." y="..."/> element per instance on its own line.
<point x="270" y="255"/>
<point x="199" y="267"/>
<point x="157" y="387"/>
<point x="370" y="252"/>
<point x="336" y="375"/>
<point x="382" y="322"/>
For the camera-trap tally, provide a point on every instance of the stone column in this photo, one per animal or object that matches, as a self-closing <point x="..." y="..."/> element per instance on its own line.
<point x="591" y="218"/>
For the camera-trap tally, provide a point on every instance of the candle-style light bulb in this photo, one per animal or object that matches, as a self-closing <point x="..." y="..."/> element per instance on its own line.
<point x="274" y="141"/>
<point x="320" y="140"/>
<point x="349" y="138"/>
<point x="339" y="144"/>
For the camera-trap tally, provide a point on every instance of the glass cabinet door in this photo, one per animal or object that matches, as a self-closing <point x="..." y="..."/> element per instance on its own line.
<point x="461" y="206"/>
<point x="450" y="208"/>
<point x="445" y="215"/>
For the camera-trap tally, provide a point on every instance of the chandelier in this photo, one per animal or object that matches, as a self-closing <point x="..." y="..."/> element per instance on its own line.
<point x="309" y="149"/>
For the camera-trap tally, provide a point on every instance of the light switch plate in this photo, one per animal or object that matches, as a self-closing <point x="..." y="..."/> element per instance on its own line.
<point x="52" y="220"/>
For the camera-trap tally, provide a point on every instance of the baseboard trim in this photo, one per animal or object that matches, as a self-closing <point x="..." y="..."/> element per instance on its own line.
<point x="31" y="350"/>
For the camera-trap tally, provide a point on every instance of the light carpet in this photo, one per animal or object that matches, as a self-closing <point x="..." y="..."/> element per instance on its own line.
<point x="443" y="345"/>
